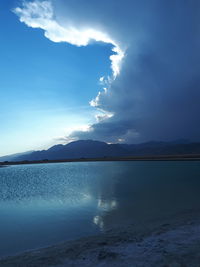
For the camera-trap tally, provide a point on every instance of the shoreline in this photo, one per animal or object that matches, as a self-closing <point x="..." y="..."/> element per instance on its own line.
<point x="170" y="242"/>
<point x="135" y="158"/>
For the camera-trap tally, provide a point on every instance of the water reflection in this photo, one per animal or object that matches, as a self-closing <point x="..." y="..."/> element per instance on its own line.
<point x="104" y="206"/>
<point x="142" y="191"/>
<point x="107" y="204"/>
<point x="57" y="202"/>
<point x="98" y="220"/>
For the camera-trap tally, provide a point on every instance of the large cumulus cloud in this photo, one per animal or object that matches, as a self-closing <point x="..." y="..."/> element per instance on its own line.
<point x="156" y="95"/>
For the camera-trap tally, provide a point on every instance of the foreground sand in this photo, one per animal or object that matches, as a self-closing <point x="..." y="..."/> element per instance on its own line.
<point x="174" y="243"/>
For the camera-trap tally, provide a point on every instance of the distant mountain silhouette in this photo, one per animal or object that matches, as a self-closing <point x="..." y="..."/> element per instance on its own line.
<point x="14" y="157"/>
<point x="96" y="149"/>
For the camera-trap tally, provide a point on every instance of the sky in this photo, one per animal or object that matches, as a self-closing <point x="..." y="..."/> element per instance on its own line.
<point x="45" y="86"/>
<point x="116" y="71"/>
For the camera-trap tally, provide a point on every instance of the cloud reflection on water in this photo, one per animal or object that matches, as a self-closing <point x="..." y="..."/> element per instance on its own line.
<point x="104" y="205"/>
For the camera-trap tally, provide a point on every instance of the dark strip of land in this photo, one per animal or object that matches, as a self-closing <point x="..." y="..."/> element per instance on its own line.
<point x="190" y="157"/>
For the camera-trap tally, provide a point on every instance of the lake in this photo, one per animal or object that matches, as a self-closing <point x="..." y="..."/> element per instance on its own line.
<point x="44" y="204"/>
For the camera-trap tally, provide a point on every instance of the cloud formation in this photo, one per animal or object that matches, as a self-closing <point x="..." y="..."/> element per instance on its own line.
<point x="155" y="94"/>
<point x="40" y="14"/>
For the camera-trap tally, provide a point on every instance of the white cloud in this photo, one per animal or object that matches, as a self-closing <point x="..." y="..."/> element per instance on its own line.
<point x="41" y="15"/>
<point x="156" y="96"/>
<point x="104" y="116"/>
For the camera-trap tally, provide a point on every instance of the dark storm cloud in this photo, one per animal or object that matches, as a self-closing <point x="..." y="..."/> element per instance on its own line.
<point x="157" y="94"/>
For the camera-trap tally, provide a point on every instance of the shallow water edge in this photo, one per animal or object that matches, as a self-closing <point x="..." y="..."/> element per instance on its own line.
<point x="171" y="242"/>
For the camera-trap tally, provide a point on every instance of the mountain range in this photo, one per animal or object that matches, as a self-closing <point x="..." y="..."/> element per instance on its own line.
<point x="96" y="149"/>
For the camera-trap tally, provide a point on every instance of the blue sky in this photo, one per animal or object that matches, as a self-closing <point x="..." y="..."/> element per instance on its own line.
<point x="53" y="53"/>
<point x="45" y="86"/>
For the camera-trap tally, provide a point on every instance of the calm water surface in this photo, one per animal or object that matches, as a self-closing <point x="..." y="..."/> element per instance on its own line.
<point x="44" y="204"/>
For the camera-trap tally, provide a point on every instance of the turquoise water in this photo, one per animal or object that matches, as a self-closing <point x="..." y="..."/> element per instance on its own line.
<point x="44" y="204"/>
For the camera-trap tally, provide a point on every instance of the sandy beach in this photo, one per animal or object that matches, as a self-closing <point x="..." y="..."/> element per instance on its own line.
<point x="171" y="242"/>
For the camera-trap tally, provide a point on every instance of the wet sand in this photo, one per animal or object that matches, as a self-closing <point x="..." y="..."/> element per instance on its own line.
<point x="171" y="242"/>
